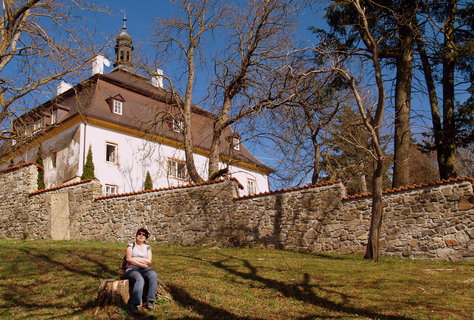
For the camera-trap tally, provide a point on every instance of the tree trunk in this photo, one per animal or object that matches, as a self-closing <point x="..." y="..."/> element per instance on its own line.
<point x="433" y="97"/>
<point x="372" y="250"/>
<point x="363" y="183"/>
<point x="219" y="126"/>
<point x="187" y="115"/>
<point x="401" y="166"/>
<point x="316" y="162"/>
<point x="113" y="292"/>
<point x="449" y="130"/>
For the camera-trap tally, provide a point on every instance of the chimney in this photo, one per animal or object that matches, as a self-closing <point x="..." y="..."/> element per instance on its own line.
<point x="98" y="64"/>
<point x="63" y="87"/>
<point x="157" y="79"/>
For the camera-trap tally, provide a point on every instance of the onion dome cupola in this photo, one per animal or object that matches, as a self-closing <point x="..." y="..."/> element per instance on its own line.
<point x="124" y="47"/>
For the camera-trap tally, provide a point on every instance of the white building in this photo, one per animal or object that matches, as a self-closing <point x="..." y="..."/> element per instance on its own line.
<point x="131" y="126"/>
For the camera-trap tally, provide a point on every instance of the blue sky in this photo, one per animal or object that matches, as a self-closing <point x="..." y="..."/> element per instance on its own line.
<point x="141" y="14"/>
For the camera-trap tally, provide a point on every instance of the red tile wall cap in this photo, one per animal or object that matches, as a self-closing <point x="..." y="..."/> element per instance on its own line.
<point x="289" y="189"/>
<point x="60" y="187"/>
<point x="24" y="164"/>
<point x="415" y="186"/>
<point x="118" y="195"/>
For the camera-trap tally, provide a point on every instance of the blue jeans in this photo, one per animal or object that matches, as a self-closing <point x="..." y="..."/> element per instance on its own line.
<point x="138" y="278"/>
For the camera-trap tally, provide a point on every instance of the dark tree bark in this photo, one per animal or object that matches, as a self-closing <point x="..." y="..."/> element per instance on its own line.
<point x="433" y="98"/>
<point x="449" y="130"/>
<point x="402" y="141"/>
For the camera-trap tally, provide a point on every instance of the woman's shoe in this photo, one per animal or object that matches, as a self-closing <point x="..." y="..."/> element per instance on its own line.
<point x="150" y="305"/>
<point x="134" y="309"/>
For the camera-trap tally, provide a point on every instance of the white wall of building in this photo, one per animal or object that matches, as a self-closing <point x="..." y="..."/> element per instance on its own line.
<point x="136" y="156"/>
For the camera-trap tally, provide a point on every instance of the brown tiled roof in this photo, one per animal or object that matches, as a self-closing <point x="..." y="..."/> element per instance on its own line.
<point x="144" y="108"/>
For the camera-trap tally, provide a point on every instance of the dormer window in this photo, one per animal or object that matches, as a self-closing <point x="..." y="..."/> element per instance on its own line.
<point x="116" y="103"/>
<point x="236" y="143"/>
<point x="178" y="125"/>
<point x="54" y="116"/>
<point x="37" y="126"/>
<point x="118" y="107"/>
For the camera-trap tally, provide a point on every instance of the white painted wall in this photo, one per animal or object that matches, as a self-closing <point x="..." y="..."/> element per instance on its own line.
<point x="136" y="156"/>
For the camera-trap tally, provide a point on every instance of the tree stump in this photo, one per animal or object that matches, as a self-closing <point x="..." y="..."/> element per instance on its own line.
<point x="163" y="292"/>
<point x="113" y="292"/>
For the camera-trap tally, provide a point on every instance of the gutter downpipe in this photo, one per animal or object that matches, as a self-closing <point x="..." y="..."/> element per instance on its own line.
<point x="85" y="144"/>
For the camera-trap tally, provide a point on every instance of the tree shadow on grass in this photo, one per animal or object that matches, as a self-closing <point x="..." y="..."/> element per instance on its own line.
<point x="204" y="309"/>
<point x="302" y="291"/>
<point x="103" y="272"/>
<point x="21" y="293"/>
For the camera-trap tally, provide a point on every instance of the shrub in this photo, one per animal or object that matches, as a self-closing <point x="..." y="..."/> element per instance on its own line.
<point x="148" y="182"/>
<point x="88" y="170"/>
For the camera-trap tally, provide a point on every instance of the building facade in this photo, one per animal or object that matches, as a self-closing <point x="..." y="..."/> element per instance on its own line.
<point x="132" y="125"/>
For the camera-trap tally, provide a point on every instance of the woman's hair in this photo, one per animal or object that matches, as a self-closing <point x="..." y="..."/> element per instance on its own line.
<point x="144" y="231"/>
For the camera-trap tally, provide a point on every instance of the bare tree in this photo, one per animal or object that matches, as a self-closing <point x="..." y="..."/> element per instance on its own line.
<point x="183" y="36"/>
<point x="373" y="124"/>
<point x="300" y="129"/>
<point x="249" y="74"/>
<point x="41" y="41"/>
<point x="372" y="117"/>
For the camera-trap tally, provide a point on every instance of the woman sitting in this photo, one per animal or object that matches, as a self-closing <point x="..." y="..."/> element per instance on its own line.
<point x="138" y="271"/>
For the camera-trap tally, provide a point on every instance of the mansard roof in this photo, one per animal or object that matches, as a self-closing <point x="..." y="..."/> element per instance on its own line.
<point x="146" y="109"/>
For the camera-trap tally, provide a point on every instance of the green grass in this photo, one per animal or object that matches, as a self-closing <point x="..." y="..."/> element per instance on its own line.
<point x="59" y="280"/>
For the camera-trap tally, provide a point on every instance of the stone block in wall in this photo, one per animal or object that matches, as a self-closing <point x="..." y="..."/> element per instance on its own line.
<point x="361" y="235"/>
<point x="461" y="237"/>
<point x="470" y="232"/>
<point x="447" y="190"/>
<point x="427" y="232"/>
<point x="447" y="254"/>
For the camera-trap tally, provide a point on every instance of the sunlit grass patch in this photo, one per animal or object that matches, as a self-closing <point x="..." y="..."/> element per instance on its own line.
<point x="59" y="280"/>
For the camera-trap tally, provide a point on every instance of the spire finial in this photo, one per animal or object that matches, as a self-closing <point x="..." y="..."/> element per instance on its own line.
<point x="124" y="20"/>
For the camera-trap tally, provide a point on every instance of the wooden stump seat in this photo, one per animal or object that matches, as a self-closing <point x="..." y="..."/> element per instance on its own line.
<point x="113" y="292"/>
<point x="117" y="292"/>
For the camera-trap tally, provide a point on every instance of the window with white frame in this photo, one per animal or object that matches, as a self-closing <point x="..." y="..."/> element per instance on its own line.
<point x="54" y="116"/>
<point x="178" y="125"/>
<point x="111" y="152"/>
<point x="29" y="129"/>
<point x="251" y="186"/>
<point x="118" y="107"/>
<point x="177" y="169"/>
<point x="236" y="143"/>
<point x="37" y="126"/>
<point x="110" y="189"/>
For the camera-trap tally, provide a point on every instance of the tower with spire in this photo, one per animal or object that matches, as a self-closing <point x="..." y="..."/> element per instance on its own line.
<point x="123" y="47"/>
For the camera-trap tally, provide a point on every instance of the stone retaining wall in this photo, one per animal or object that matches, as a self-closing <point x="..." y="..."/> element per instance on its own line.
<point x="430" y="222"/>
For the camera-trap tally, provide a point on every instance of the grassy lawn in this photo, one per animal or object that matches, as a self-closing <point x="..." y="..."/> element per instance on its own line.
<point x="59" y="280"/>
